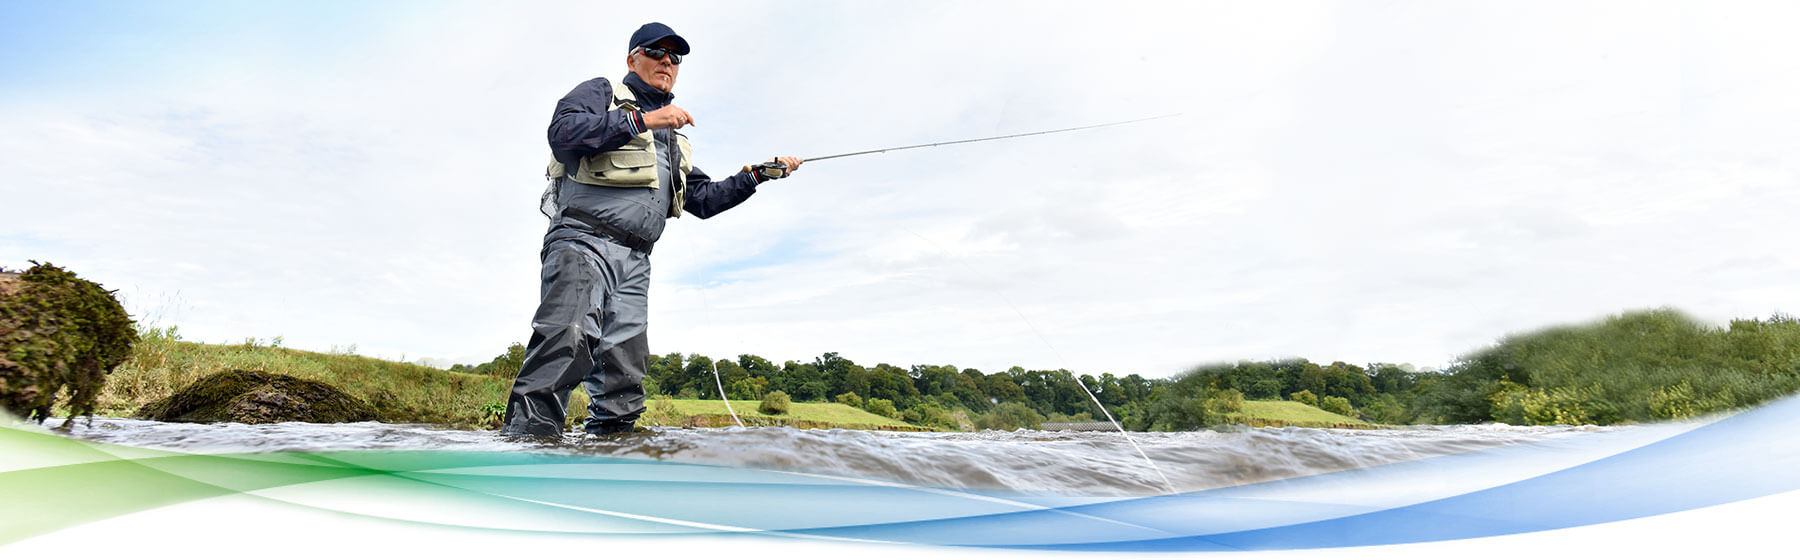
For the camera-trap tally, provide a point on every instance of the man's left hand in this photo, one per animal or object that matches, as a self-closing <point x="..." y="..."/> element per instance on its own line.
<point x="776" y="168"/>
<point x="792" y="163"/>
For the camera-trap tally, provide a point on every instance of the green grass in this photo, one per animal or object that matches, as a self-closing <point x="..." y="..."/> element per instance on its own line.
<point x="161" y="363"/>
<point x="407" y="393"/>
<point x="1290" y="413"/>
<point x="403" y="393"/>
<point x="801" y="414"/>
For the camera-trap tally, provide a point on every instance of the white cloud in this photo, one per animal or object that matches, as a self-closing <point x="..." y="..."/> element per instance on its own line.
<point x="1345" y="182"/>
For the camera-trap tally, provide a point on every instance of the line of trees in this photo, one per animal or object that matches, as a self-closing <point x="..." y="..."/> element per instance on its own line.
<point x="949" y="397"/>
<point x="940" y="395"/>
<point x="930" y="394"/>
<point x="1635" y="367"/>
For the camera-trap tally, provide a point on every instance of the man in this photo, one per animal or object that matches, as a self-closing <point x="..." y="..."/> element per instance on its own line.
<point x="620" y="169"/>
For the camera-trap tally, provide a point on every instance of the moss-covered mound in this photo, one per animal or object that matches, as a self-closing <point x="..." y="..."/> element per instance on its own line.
<point x="254" y="397"/>
<point x="58" y="333"/>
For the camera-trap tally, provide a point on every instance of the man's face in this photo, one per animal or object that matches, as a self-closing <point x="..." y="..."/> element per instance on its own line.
<point x="659" y="73"/>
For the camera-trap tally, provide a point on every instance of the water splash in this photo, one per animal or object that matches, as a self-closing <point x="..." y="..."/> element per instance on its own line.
<point x="1089" y="463"/>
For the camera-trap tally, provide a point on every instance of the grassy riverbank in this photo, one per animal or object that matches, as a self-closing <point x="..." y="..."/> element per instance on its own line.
<point x="663" y="411"/>
<point x="1290" y="413"/>
<point x="161" y="363"/>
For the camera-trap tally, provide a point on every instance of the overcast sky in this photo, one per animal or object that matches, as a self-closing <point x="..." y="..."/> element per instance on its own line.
<point x="1360" y="181"/>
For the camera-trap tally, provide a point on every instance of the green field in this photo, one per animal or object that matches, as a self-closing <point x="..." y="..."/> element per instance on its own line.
<point x="698" y="412"/>
<point x="1290" y="413"/>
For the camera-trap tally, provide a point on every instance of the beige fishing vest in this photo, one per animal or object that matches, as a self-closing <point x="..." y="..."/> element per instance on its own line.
<point x="632" y="165"/>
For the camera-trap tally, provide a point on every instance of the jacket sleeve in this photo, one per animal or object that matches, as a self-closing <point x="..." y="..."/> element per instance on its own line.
<point x="583" y="127"/>
<point x="706" y="197"/>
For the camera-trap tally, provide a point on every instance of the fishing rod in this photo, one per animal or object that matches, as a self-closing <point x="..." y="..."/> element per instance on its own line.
<point x="775" y="169"/>
<point x="778" y="169"/>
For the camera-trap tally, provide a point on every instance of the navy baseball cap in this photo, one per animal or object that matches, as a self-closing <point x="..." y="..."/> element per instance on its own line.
<point x="653" y="32"/>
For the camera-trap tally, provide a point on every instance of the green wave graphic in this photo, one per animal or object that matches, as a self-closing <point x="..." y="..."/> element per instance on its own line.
<point x="53" y="482"/>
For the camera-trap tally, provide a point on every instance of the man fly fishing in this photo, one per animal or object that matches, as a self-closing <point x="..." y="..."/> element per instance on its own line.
<point x="620" y="169"/>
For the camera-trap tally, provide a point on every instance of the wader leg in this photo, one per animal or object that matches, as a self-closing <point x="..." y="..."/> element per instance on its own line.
<point x="565" y="339"/>
<point x="615" y="387"/>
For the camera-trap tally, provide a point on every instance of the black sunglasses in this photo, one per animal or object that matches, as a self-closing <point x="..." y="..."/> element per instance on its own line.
<point x="656" y="53"/>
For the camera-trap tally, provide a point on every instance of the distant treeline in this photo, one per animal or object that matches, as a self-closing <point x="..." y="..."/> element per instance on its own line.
<point x="933" y="395"/>
<point x="1636" y="367"/>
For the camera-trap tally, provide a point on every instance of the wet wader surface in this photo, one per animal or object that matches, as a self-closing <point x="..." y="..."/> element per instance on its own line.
<point x="591" y="322"/>
<point x="590" y="329"/>
<point x="594" y="307"/>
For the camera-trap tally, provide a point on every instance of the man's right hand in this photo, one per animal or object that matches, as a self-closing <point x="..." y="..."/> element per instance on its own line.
<point x="669" y="116"/>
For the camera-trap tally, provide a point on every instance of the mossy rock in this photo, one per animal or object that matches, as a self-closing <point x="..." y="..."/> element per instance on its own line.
<point x="58" y="334"/>
<point x="254" y="397"/>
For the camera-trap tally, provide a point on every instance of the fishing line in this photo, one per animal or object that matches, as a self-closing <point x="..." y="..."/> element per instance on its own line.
<point x="779" y="169"/>
<point x="721" y="384"/>
<point x="1015" y="309"/>
<point x="1169" y="486"/>
<point x="717" y="381"/>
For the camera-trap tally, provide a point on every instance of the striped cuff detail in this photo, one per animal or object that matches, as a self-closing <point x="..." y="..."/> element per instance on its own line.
<point x="755" y="178"/>
<point x="635" y="119"/>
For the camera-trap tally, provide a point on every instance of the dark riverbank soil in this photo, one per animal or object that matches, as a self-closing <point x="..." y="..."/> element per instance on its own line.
<point x="254" y="397"/>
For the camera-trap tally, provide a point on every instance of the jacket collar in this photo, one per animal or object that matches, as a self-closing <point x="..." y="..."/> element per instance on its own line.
<point x="646" y="92"/>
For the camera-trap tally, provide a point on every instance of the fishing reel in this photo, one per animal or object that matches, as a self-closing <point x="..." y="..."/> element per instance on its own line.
<point x="769" y="170"/>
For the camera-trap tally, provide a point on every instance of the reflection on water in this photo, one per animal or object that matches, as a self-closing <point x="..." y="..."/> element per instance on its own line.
<point x="1092" y="463"/>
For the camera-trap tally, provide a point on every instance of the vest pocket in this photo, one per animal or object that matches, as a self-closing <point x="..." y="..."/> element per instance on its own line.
<point x="626" y="168"/>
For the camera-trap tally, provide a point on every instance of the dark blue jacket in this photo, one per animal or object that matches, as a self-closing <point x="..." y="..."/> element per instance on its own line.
<point x="582" y="127"/>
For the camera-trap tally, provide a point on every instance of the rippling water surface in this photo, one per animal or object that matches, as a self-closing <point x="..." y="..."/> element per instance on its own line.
<point x="1036" y="461"/>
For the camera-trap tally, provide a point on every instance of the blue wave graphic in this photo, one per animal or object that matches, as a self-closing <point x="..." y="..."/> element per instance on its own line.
<point x="1746" y="456"/>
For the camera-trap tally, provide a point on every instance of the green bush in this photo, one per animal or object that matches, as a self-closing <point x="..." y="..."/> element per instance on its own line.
<point x="1221" y="402"/>
<point x="1526" y="406"/>
<point x="1337" y="405"/>
<point x="775" y="403"/>
<point x="60" y="334"/>
<point x="493" y="414"/>
<point x="1175" y="412"/>
<point x="1386" y="409"/>
<point x="930" y="415"/>
<point x="1060" y="418"/>
<point x="850" y="399"/>
<point x="1010" y="416"/>
<point x="1305" y="397"/>
<point x="883" y="407"/>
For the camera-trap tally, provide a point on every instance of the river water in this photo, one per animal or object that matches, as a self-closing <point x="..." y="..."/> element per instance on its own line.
<point x="1090" y="463"/>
